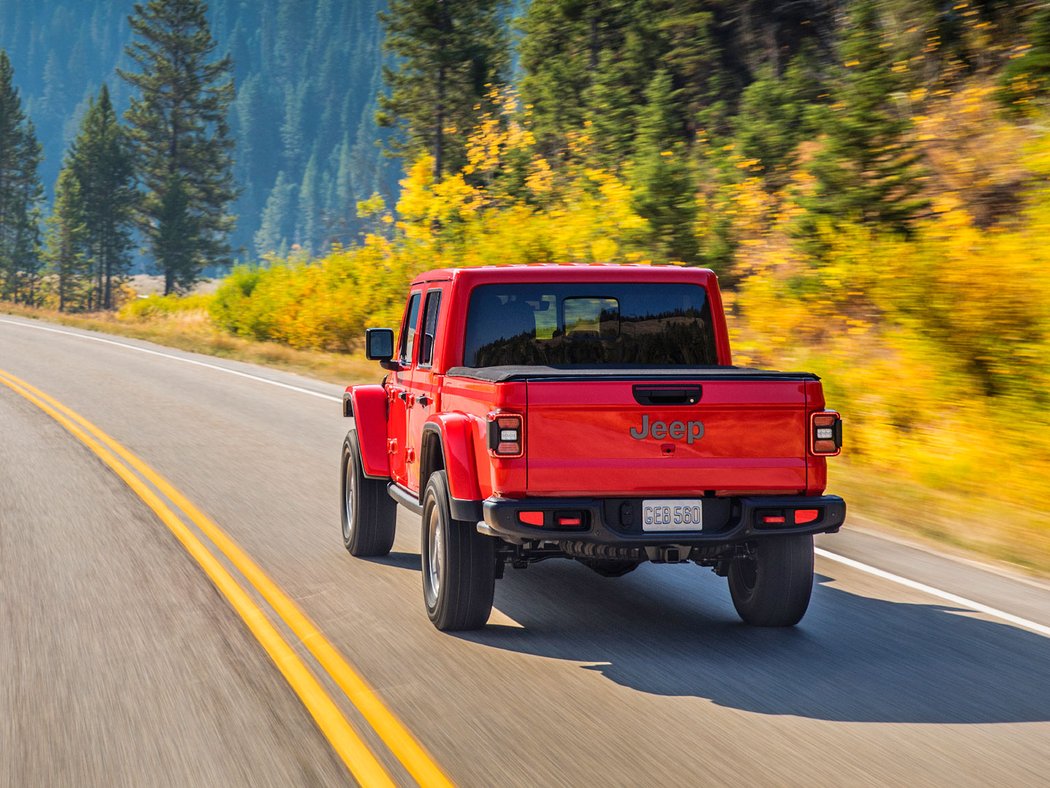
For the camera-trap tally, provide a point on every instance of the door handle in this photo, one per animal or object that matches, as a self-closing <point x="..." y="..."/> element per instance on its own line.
<point x="402" y="395"/>
<point x="423" y="400"/>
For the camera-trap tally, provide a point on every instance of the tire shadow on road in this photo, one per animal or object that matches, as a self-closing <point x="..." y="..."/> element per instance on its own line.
<point x="672" y="631"/>
<point x="398" y="560"/>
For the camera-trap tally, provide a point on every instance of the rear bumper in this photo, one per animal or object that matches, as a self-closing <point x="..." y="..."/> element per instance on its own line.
<point x="617" y="521"/>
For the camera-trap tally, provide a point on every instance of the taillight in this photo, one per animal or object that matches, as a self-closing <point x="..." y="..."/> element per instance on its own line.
<point x="825" y="433"/>
<point x="788" y="517"/>
<point x="506" y="435"/>
<point x="569" y="519"/>
<point x="803" y="516"/>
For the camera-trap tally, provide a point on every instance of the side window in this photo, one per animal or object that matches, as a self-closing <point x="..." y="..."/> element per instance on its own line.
<point x="430" y="323"/>
<point x="408" y="331"/>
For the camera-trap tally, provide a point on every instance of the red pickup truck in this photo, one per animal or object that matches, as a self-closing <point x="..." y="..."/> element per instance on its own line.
<point x="589" y="412"/>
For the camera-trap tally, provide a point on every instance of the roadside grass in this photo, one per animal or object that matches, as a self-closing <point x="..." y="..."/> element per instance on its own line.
<point x="970" y="525"/>
<point x="964" y="523"/>
<point x="191" y="330"/>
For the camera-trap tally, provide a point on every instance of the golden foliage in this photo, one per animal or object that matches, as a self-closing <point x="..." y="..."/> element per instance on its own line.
<point x="972" y="153"/>
<point x="936" y="348"/>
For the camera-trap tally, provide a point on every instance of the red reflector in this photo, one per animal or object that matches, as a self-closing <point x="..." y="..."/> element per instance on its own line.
<point x="773" y="519"/>
<point x="531" y="518"/>
<point x="570" y="521"/>
<point x="825" y="447"/>
<point x="803" y="516"/>
<point x="508" y="448"/>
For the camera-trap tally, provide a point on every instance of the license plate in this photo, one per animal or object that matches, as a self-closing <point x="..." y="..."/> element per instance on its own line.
<point x="673" y="514"/>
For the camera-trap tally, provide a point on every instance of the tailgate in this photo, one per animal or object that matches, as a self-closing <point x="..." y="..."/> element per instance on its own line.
<point x="589" y="437"/>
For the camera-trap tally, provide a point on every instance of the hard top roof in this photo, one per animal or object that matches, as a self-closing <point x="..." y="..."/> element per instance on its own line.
<point x="568" y="272"/>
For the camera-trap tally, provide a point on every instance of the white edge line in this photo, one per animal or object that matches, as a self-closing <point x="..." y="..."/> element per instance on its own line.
<point x="174" y="358"/>
<point x="936" y="592"/>
<point x="871" y="570"/>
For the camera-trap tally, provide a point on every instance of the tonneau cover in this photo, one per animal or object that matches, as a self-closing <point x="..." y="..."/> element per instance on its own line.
<point x="507" y="373"/>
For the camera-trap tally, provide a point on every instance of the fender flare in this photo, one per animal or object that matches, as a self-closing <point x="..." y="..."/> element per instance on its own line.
<point x="368" y="406"/>
<point x="454" y="433"/>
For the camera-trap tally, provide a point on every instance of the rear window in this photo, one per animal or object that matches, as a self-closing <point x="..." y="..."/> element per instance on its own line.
<point x="590" y="324"/>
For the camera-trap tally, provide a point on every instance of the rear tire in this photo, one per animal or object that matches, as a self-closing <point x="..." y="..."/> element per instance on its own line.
<point x="459" y="564"/>
<point x="773" y="588"/>
<point x="369" y="513"/>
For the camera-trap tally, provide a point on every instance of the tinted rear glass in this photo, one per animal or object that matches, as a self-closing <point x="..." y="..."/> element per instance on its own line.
<point x="590" y="324"/>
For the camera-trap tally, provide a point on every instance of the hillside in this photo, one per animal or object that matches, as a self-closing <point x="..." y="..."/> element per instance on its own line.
<point x="307" y="73"/>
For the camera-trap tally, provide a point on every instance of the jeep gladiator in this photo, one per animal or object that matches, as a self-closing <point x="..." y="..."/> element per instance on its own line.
<point x="589" y="412"/>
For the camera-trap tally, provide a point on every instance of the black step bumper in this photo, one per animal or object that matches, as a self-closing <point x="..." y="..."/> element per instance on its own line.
<point x="618" y="520"/>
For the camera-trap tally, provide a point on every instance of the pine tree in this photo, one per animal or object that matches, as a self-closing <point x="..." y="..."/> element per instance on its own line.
<point x="1028" y="77"/>
<point x="663" y="179"/>
<point x="691" y="42"/>
<point x="594" y="62"/>
<point x="272" y="236"/>
<point x="66" y="244"/>
<point x="20" y="195"/>
<point x="292" y="128"/>
<point x="572" y="58"/>
<point x="308" y="226"/>
<point x="866" y="171"/>
<point x="450" y="54"/>
<point x="30" y="195"/>
<point x="177" y="231"/>
<point x="101" y="162"/>
<point x="775" y="116"/>
<point x="179" y="134"/>
<point x="612" y="109"/>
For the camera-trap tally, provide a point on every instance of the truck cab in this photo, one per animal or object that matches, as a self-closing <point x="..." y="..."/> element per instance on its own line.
<point x="590" y="413"/>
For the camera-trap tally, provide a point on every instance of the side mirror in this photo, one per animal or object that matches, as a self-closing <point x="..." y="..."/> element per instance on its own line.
<point x="379" y="344"/>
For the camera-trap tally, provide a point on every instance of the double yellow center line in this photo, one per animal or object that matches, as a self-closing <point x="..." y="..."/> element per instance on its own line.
<point x="358" y="758"/>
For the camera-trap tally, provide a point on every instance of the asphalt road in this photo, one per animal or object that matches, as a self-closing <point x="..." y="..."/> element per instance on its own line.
<point x="120" y="664"/>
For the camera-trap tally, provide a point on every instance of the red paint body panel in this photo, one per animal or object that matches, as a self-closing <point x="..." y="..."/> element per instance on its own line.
<point x="505" y="477"/>
<point x="370" y="419"/>
<point x="579" y="440"/>
<point x="818" y="466"/>
<point x="458" y="432"/>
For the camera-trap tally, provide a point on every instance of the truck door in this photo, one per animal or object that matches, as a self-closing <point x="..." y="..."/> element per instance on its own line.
<point x="397" y="391"/>
<point x="425" y="385"/>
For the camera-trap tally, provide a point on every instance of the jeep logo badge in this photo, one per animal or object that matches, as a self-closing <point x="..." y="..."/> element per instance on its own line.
<point x="692" y="431"/>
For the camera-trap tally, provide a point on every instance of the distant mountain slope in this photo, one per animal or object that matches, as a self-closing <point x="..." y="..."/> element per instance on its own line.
<point x="307" y="73"/>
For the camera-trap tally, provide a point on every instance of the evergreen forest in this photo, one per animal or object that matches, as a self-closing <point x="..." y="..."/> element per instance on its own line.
<point x="306" y="73"/>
